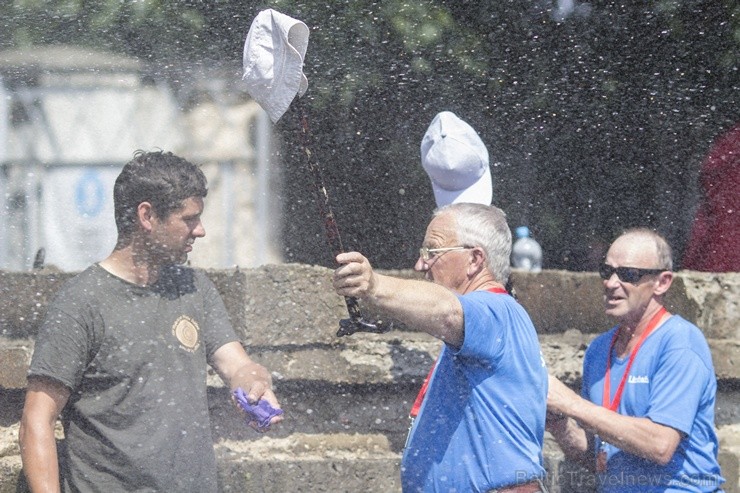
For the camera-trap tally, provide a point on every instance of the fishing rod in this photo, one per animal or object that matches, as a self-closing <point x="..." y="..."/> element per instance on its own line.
<point x="356" y="322"/>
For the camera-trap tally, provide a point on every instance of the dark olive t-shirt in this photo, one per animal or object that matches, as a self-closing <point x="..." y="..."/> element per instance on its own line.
<point x="135" y="359"/>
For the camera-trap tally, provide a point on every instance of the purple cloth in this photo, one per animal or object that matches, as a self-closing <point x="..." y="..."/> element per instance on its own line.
<point x="261" y="413"/>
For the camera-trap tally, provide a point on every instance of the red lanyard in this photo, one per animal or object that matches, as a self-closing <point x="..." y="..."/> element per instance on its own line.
<point x="422" y="392"/>
<point x="614" y="404"/>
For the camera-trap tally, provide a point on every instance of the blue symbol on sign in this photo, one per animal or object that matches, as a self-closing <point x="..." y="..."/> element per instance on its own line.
<point x="89" y="194"/>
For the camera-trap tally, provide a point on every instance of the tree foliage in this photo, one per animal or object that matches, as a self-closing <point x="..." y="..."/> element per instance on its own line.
<point x="596" y="117"/>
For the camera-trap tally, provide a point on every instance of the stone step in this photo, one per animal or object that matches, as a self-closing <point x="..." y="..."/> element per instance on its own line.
<point x="373" y="359"/>
<point x="309" y="463"/>
<point x="295" y="303"/>
<point x="342" y="462"/>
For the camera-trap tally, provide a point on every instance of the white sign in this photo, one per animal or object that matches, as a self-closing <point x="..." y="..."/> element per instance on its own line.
<point x="78" y="226"/>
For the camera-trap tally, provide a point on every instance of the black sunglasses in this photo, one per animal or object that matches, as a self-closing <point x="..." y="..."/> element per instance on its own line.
<point x="626" y="274"/>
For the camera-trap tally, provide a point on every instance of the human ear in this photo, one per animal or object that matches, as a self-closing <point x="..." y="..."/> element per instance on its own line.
<point x="145" y="215"/>
<point x="664" y="281"/>
<point x="478" y="260"/>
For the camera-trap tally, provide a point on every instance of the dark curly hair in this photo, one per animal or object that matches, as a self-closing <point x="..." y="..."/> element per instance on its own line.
<point x="160" y="178"/>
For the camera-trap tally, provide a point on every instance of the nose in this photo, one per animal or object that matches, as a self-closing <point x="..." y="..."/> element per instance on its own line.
<point x="420" y="265"/>
<point x="612" y="282"/>
<point x="200" y="230"/>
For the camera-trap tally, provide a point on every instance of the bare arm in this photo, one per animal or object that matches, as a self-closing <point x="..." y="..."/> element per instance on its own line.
<point x="45" y="399"/>
<point x="421" y="305"/>
<point x="639" y="436"/>
<point x="575" y="442"/>
<point x="236" y="369"/>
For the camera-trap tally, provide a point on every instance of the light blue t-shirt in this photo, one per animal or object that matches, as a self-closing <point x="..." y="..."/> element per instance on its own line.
<point x="671" y="382"/>
<point x="481" y="425"/>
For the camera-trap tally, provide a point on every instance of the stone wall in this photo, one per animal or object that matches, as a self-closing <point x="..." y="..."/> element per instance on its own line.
<point x="347" y="399"/>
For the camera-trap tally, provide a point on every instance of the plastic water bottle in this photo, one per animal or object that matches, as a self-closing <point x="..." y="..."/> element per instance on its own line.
<point x="526" y="253"/>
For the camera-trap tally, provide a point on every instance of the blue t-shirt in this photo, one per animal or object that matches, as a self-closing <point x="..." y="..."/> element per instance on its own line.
<point x="481" y="425"/>
<point x="671" y="382"/>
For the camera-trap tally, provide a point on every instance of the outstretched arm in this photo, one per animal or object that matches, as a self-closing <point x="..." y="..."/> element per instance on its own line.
<point x="421" y="305"/>
<point x="45" y="399"/>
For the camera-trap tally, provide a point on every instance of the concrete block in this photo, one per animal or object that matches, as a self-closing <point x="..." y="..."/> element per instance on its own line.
<point x="310" y="463"/>
<point x="726" y="359"/>
<point x="562" y="300"/>
<point x="290" y="305"/>
<point x="711" y="302"/>
<point x="15" y="356"/>
<point x="730" y="466"/>
<point x="10" y="472"/>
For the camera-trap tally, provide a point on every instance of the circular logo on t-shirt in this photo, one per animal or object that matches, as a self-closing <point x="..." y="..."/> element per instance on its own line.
<point x="186" y="330"/>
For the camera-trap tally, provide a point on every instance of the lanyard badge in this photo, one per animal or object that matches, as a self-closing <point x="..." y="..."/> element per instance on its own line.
<point x="601" y="457"/>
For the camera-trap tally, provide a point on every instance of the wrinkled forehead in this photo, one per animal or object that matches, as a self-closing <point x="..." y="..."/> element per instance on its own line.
<point x="633" y="250"/>
<point x="442" y="229"/>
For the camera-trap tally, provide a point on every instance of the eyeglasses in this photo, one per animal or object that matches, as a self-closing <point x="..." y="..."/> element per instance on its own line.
<point x="428" y="254"/>
<point x="626" y="274"/>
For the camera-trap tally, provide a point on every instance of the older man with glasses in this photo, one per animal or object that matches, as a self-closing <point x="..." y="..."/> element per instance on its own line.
<point x="645" y="421"/>
<point x="480" y="422"/>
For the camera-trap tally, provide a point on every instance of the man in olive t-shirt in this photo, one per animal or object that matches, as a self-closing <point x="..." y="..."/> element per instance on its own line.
<point x="123" y="350"/>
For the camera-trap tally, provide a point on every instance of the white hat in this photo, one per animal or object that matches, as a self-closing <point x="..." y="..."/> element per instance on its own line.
<point x="273" y="61"/>
<point x="456" y="160"/>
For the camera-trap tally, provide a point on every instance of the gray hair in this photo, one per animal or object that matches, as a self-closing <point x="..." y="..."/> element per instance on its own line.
<point x="662" y="248"/>
<point x="483" y="226"/>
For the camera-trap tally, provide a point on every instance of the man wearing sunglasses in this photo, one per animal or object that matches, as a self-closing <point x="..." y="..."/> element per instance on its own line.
<point x="480" y="425"/>
<point x="645" y="421"/>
